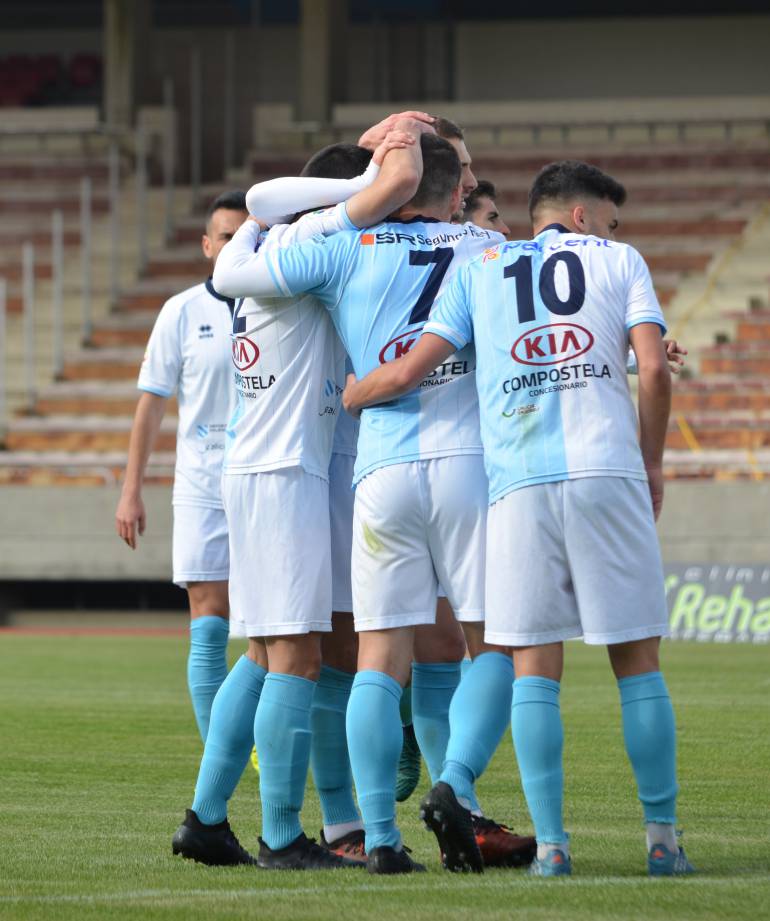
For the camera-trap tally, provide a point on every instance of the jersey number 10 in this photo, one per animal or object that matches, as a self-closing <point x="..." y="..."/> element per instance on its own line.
<point x="521" y="271"/>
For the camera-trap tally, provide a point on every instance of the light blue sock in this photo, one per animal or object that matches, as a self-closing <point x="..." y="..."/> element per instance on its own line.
<point x="650" y="736"/>
<point x="229" y="741"/>
<point x="538" y="738"/>
<point x="433" y="686"/>
<point x="206" y="665"/>
<point x="464" y="666"/>
<point x="374" y="742"/>
<point x="282" y="737"/>
<point x="329" y="747"/>
<point x="478" y="717"/>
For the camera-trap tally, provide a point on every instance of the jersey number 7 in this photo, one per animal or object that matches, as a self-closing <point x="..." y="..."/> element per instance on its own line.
<point x="439" y="259"/>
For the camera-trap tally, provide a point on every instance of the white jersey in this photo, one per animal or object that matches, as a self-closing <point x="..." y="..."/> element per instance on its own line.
<point x="550" y="320"/>
<point x="289" y="364"/>
<point x="189" y="355"/>
<point x="379" y="286"/>
<point x="346" y="429"/>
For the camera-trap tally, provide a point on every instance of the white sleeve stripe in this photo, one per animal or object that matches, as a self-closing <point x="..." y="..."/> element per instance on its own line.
<point x="154" y="389"/>
<point x="446" y="332"/>
<point x="646" y="318"/>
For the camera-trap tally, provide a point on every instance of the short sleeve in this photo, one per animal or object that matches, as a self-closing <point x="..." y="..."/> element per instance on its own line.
<point x="311" y="267"/>
<point x="451" y="317"/>
<point x="641" y="301"/>
<point x="162" y="363"/>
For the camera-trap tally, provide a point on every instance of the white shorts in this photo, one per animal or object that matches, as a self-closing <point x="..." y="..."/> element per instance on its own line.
<point x="280" y="561"/>
<point x="199" y="546"/>
<point x="415" y="524"/>
<point x="341" y="496"/>
<point x="574" y="558"/>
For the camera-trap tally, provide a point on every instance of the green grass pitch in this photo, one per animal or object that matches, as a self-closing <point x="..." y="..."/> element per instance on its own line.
<point x="99" y="756"/>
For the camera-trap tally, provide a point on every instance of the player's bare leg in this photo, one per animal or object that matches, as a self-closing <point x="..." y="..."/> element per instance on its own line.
<point x="343" y="829"/>
<point x="207" y="660"/>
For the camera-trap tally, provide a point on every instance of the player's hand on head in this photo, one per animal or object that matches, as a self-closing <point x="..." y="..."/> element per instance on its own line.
<point x="675" y="353"/>
<point x="655" y="482"/>
<point x="372" y="138"/>
<point x="130" y="519"/>
<point x="393" y="140"/>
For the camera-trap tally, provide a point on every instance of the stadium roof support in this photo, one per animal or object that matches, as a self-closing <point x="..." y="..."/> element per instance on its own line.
<point x="126" y="24"/>
<point x="322" y="58"/>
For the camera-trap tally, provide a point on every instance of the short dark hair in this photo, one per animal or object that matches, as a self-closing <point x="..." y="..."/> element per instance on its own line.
<point x="484" y="189"/>
<point x="338" y="161"/>
<point x="234" y="200"/>
<point x="567" y="180"/>
<point x="448" y="130"/>
<point x="440" y="171"/>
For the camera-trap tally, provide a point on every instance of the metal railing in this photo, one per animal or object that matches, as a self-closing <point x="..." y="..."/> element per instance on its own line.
<point x="119" y="145"/>
<point x="3" y="347"/>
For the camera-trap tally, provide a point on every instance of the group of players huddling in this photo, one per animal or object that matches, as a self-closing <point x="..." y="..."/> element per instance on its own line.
<point x="497" y="498"/>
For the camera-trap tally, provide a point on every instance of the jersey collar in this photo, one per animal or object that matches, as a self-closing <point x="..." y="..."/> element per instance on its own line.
<point x="560" y="228"/>
<point x="230" y="301"/>
<point x="419" y="219"/>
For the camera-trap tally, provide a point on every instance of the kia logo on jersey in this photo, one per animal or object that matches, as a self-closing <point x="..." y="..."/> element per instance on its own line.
<point x="399" y="346"/>
<point x="245" y="353"/>
<point x="552" y="344"/>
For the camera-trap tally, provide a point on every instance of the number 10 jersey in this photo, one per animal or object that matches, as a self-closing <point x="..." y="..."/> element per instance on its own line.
<point x="550" y="319"/>
<point x="379" y="286"/>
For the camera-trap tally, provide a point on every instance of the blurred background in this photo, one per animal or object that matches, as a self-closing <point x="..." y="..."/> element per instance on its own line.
<point x="121" y="119"/>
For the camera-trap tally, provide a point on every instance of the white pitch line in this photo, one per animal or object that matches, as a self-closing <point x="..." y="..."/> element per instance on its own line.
<point x="467" y="883"/>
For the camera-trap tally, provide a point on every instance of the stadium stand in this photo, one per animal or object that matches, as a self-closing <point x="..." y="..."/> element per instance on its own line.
<point x="695" y="211"/>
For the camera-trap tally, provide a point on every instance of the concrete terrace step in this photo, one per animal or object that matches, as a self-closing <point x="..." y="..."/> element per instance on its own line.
<point x="757" y="190"/>
<point x="95" y="434"/>
<point x="57" y="169"/>
<point x="151" y="293"/>
<point x="612" y="160"/>
<point x="177" y="263"/>
<point x="752" y="327"/>
<point x="54" y="468"/>
<point x="107" y="337"/>
<point x="715" y="464"/>
<point x="106" y="363"/>
<point x="43" y="204"/>
<point x="722" y="431"/>
<point x="514" y="178"/>
<point x="93" y="398"/>
<point x="721" y="393"/>
<point x="709" y="158"/>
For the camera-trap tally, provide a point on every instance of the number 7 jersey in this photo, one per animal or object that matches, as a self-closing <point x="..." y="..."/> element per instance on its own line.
<point x="550" y="320"/>
<point x="379" y="286"/>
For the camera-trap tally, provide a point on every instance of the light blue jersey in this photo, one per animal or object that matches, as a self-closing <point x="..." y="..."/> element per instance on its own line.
<point x="550" y="320"/>
<point x="379" y="285"/>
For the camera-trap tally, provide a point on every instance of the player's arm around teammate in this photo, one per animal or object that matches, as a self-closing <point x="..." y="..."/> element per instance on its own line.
<point x="242" y="272"/>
